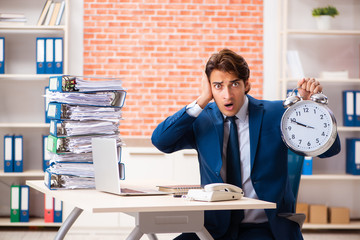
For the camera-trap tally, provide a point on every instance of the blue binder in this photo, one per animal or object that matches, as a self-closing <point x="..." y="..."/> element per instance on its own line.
<point x="40" y="55"/>
<point x="307" y="166"/>
<point x="46" y="105"/>
<point x="49" y="55"/>
<point x="24" y="203"/>
<point x="353" y="156"/>
<point x="357" y="108"/>
<point x="54" y="110"/>
<point x="2" y="55"/>
<point x="58" y="55"/>
<point x="8" y="153"/>
<point x="58" y="208"/>
<point x="18" y="153"/>
<point x="349" y="108"/>
<point x="46" y="156"/>
<point x="55" y="83"/>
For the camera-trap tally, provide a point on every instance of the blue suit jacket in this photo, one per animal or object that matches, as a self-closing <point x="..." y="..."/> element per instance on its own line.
<point x="268" y="156"/>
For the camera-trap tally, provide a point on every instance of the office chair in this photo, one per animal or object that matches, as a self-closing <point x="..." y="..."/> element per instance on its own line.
<point x="295" y="163"/>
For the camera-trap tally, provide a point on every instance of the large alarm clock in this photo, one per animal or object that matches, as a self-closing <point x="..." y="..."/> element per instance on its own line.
<point x="308" y="127"/>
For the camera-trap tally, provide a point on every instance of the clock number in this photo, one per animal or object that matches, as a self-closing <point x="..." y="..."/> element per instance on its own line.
<point x="293" y="119"/>
<point x="300" y="141"/>
<point x="306" y="110"/>
<point x="314" y="111"/>
<point x="298" y="113"/>
<point x="321" y="116"/>
<point x="293" y="136"/>
<point x="317" y="140"/>
<point x="323" y="134"/>
<point x="325" y="125"/>
<point x="289" y="128"/>
<point x="309" y="144"/>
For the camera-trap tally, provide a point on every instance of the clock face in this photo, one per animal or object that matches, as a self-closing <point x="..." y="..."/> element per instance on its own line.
<point x="308" y="128"/>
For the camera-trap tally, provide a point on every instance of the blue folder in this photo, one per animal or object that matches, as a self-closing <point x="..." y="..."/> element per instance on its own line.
<point x="40" y="55"/>
<point x="357" y="108"/>
<point x="58" y="209"/>
<point x="353" y="156"/>
<point x="24" y="203"/>
<point x="58" y="55"/>
<point x="45" y="155"/>
<point x="18" y="153"/>
<point x="8" y="153"/>
<point x="349" y="107"/>
<point x="2" y="55"/>
<point x="49" y="55"/>
<point x="307" y="166"/>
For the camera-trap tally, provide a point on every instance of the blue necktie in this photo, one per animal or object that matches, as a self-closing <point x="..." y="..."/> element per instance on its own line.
<point x="233" y="172"/>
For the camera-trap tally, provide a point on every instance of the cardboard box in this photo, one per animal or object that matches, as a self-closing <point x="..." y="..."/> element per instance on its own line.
<point x="303" y="208"/>
<point x="339" y="215"/>
<point x="318" y="214"/>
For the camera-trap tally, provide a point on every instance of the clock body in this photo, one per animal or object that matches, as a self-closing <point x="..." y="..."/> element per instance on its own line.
<point x="308" y="128"/>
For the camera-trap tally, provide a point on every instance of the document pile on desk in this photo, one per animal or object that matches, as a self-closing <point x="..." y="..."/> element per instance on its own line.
<point x="80" y="109"/>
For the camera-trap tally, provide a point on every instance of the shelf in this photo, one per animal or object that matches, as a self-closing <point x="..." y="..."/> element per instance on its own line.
<point x="29" y="173"/>
<point x="24" y="125"/>
<point x="32" y="222"/>
<point x="330" y="177"/>
<point x="348" y="129"/>
<point x="323" y="80"/>
<point x="30" y="77"/>
<point x="353" y="225"/>
<point x="32" y="28"/>
<point x="322" y="32"/>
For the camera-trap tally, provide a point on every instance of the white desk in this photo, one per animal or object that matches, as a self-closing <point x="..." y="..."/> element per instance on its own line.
<point x="154" y="214"/>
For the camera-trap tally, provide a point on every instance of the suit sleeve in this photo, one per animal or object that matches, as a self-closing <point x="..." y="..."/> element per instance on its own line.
<point x="333" y="150"/>
<point x="175" y="133"/>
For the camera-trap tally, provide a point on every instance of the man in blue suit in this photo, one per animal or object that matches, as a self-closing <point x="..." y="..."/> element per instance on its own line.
<point x="204" y="126"/>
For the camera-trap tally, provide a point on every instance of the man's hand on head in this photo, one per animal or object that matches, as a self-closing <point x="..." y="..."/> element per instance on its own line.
<point x="206" y="93"/>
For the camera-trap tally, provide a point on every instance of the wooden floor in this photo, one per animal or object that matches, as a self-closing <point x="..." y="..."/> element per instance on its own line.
<point x="115" y="234"/>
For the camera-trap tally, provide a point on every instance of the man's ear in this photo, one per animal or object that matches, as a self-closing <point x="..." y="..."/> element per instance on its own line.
<point x="247" y="86"/>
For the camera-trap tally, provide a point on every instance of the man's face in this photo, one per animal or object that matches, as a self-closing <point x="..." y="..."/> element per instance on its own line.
<point x="228" y="91"/>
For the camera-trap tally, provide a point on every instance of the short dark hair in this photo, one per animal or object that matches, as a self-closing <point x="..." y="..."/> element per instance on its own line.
<point x="228" y="61"/>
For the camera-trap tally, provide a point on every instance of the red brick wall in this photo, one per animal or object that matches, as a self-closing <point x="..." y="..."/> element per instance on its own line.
<point x="160" y="47"/>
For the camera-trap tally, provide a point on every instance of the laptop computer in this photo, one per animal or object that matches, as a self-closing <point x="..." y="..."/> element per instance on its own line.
<point x="107" y="171"/>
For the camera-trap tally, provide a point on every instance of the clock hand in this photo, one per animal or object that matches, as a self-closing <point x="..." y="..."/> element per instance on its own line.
<point x="301" y="124"/>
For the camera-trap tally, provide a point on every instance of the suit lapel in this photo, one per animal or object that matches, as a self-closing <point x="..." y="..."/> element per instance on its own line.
<point x="218" y="121"/>
<point x="256" y="112"/>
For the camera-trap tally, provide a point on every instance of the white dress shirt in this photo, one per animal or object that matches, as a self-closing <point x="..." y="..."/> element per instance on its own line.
<point x="242" y="122"/>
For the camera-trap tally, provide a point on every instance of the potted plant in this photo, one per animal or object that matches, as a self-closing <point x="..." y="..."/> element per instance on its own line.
<point x="323" y="16"/>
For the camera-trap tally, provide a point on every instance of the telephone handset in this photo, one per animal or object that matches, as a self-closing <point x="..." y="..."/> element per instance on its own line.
<point x="216" y="192"/>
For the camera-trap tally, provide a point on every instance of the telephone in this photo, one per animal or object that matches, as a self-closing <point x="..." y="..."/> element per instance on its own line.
<point x="216" y="192"/>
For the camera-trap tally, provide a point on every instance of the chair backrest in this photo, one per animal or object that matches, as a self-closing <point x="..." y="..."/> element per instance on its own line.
<point x="295" y="164"/>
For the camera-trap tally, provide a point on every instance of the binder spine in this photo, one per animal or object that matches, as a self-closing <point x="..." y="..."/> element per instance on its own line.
<point x="48" y="209"/>
<point x="58" y="58"/>
<point x="49" y="55"/>
<point x="8" y="153"/>
<point x="40" y="55"/>
<point x="55" y="111"/>
<point x="46" y="156"/>
<point x="2" y="55"/>
<point x="58" y="208"/>
<point x="15" y="203"/>
<point x="348" y="108"/>
<point x="24" y="203"/>
<point x="18" y="153"/>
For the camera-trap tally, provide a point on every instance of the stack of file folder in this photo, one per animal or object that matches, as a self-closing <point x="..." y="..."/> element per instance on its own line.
<point x="80" y="109"/>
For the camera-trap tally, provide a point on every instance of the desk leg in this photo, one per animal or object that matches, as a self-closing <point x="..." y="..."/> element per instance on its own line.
<point x="204" y="234"/>
<point x="135" y="234"/>
<point x="75" y="213"/>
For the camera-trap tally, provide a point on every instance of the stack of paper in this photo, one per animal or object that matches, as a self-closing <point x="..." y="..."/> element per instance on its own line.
<point x="80" y="110"/>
